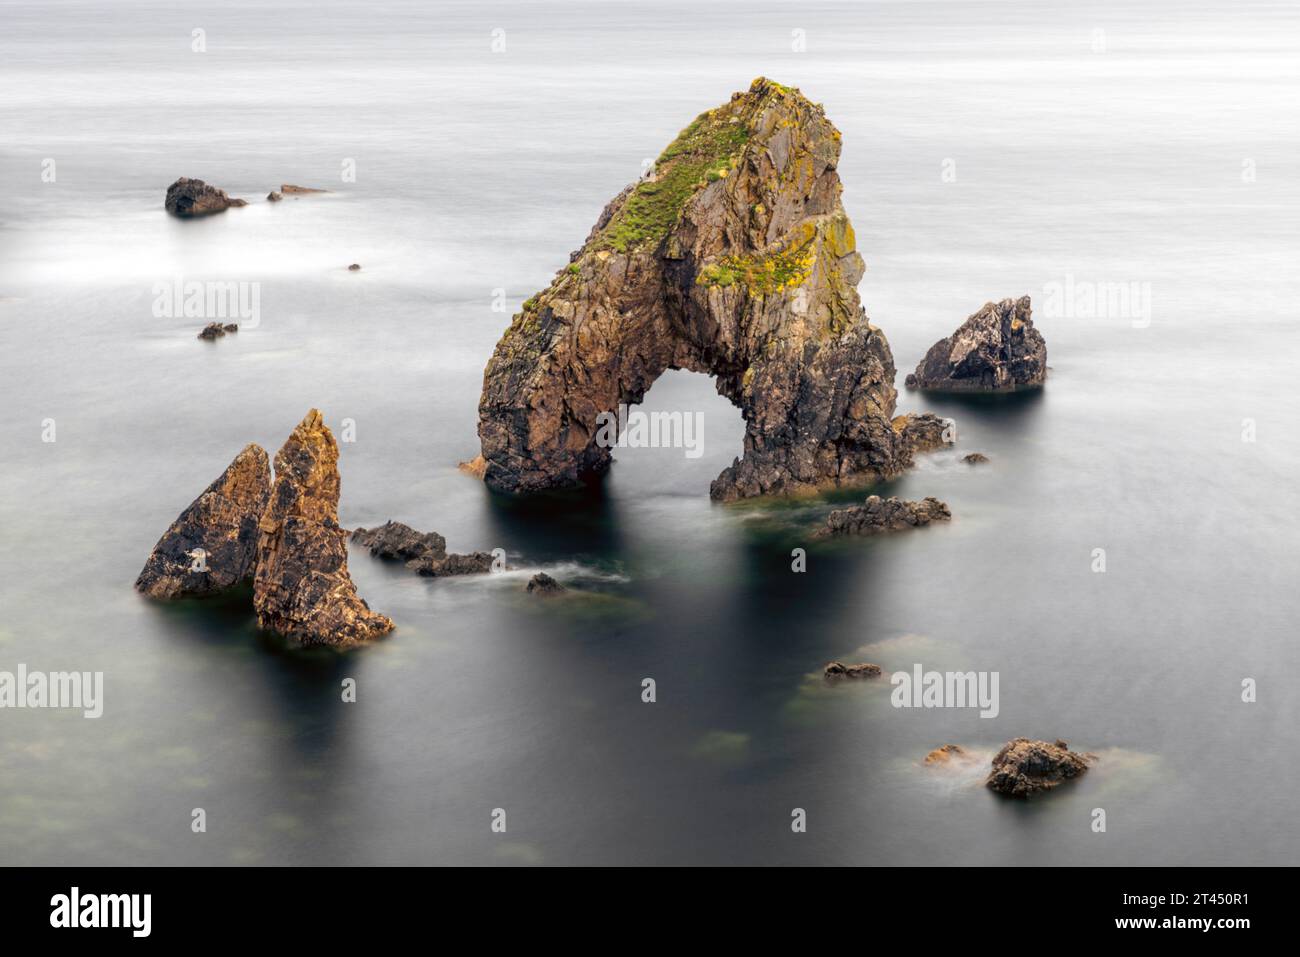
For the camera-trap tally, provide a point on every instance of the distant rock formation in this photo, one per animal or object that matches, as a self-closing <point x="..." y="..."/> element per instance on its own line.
<point x="274" y="197"/>
<point x="995" y="350"/>
<point x="212" y="545"/>
<point x="215" y="330"/>
<point x="1024" y="767"/>
<point x="355" y="267"/>
<point x="544" y="584"/>
<point x="302" y="588"/>
<point x="975" y="458"/>
<point x="188" y="198"/>
<point x="423" y="552"/>
<point x="837" y="669"/>
<point x="290" y="188"/>
<point x="733" y="257"/>
<point x="877" y="515"/>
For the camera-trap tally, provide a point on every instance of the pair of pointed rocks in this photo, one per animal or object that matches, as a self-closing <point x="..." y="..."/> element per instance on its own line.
<point x="282" y="535"/>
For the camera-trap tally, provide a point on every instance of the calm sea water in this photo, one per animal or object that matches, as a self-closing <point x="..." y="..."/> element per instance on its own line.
<point x="990" y="150"/>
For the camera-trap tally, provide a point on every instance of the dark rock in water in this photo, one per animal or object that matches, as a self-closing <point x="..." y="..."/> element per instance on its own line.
<point x="1024" y="767"/>
<point x="302" y="588"/>
<point x="924" y="433"/>
<point x="734" y="257"/>
<point x="355" y="267"/>
<point x="996" y="350"/>
<point x="423" y="552"/>
<point x="401" y="542"/>
<point x="475" y="563"/>
<point x="544" y="584"/>
<point x="274" y="197"/>
<point x="975" y="458"/>
<point x="212" y="545"/>
<point x="837" y="669"/>
<point x="878" y="515"/>
<point x="215" y="330"/>
<point x="231" y="327"/>
<point x="193" y="197"/>
<point x="290" y="188"/>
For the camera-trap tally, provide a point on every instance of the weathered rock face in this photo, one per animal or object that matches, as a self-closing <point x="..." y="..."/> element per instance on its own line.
<point x="212" y="545"/>
<point x="193" y="197"/>
<point x="302" y="588"/>
<point x="996" y="350"/>
<point x="734" y="258"/>
<point x="1024" y="767"/>
<point x="837" y="669"/>
<point x="423" y="552"/>
<point x="215" y="330"/>
<point x="877" y="515"/>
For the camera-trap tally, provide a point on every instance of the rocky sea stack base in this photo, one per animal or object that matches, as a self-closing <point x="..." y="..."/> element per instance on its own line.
<point x="422" y="552"/>
<point x="1024" y="767"/>
<point x="996" y="350"/>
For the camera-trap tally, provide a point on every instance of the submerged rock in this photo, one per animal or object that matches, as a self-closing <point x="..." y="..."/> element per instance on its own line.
<point x="193" y="197"/>
<point x="1024" y="767"/>
<point x="877" y="515"/>
<point x="274" y="197"/>
<point x="302" y="588"/>
<point x="423" y="552"/>
<point x="734" y="257"/>
<point x="975" y="458"/>
<point x="290" y="188"/>
<point x="995" y="350"/>
<point x="212" y="545"/>
<point x="544" y="584"/>
<point x="837" y="669"/>
<point x="355" y="267"/>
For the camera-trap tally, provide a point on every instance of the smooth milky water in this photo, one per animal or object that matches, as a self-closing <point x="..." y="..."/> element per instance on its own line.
<point x="989" y="150"/>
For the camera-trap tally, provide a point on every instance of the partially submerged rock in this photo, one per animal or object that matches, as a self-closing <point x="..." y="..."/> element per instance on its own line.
<point x="544" y="584"/>
<point x="302" y="588"/>
<point x="947" y="754"/>
<point x="355" y="267"/>
<point x="734" y="257"/>
<point x="975" y="458"/>
<point x="212" y="545"/>
<point x="274" y="197"/>
<point x="995" y="350"/>
<point x="1024" y="767"/>
<point x="215" y="330"/>
<point x="423" y="552"/>
<point x="925" y="432"/>
<point x="290" y="188"/>
<point x="837" y="669"/>
<point x="877" y="515"/>
<point x="193" y="197"/>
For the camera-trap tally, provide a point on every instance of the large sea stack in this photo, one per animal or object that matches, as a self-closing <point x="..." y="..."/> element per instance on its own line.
<point x="302" y="588"/>
<point x="996" y="350"/>
<point x="212" y="545"/>
<point x="733" y="257"/>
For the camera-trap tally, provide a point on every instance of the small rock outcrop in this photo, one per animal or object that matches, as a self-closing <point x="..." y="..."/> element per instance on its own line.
<point x="1024" y="767"/>
<point x="215" y="330"/>
<point x="837" y="669"/>
<point x="544" y="584"/>
<point x="975" y="458"/>
<point x="290" y="188"/>
<point x="423" y="552"/>
<point x="355" y="267"/>
<point x="274" y="197"/>
<point x="733" y="257"/>
<point x="302" y="588"/>
<point x="877" y="515"/>
<point x="947" y="754"/>
<point x="188" y="198"/>
<point x="212" y="545"/>
<point x="995" y="350"/>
